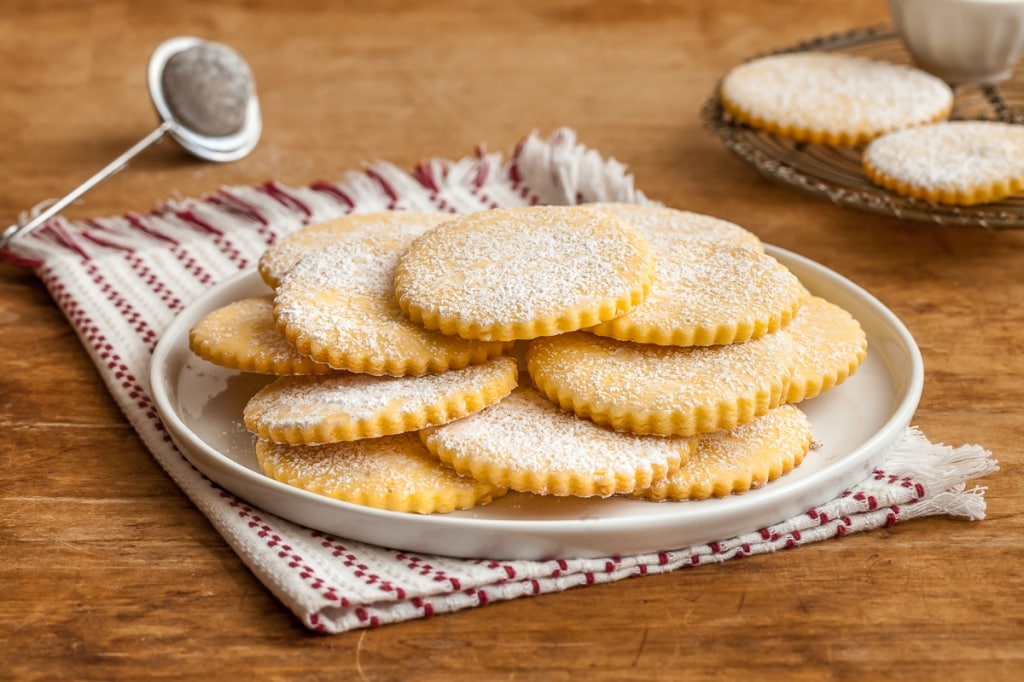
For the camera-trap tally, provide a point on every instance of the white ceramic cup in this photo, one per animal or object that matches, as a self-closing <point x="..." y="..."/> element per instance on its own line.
<point x="962" y="41"/>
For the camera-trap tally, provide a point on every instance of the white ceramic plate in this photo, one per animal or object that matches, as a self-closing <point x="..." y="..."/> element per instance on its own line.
<point x="856" y="424"/>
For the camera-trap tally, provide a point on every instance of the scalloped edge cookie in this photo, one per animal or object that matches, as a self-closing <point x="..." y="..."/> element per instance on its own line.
<point x="832" y="99"/>
<point x="520" y="273"/>
<point x="738" y="460"/>
<point x="395" y="473"/>
<point x="243" y="335"/>
<point x="346" y="406"/>
<point x="528" y="444"/>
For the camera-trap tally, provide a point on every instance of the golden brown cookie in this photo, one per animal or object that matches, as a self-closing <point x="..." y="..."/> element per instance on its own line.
<point x="392" y="472"/>
<point x="507" y="274"/>
<point x="737" y="460"/>
<point x="830" y="345"/>
<point x="663" y="220"/>
<point x="280" y="257"/>
<point x="665" y="390"/>
<point x="347" y="406"/>
<point x="708" y="293"/>
<point x="528" y="444"/>
<point x="830" y="98"/>
<point x="243" y="336"/>
<point x="954" y="162"/>
<point x="337" y="305"/>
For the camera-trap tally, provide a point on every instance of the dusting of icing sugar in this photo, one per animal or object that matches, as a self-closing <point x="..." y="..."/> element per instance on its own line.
<point x="722" y="458"/>
<point x="304" y="402"/>
<point x="279" y="258"/>
<point x="829" y="342"/>
<point x="370" y="469"/>
<point x="517" y="265"/>
<point x="342" y="297"/>
<point x="954" y="156"/>
<point x="655" y="221"/>
<point x="706" y="285"/>
<point x="606" y="372"/>
<point x="834" y="92"/>
<point x="527" y="432"/>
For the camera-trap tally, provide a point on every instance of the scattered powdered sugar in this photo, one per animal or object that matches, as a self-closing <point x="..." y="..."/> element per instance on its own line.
<point x="518" y="265"/>
<point x="835" y="92"/>
<point x="527" y="432"/>
<point x="954" y="155"/>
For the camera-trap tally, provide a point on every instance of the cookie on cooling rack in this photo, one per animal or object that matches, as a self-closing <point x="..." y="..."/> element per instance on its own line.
<point x="953" y="162"/>
<point x="396" y="473"/>
<point x="833" y="99"/>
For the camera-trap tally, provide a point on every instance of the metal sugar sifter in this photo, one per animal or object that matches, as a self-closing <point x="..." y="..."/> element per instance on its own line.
<point x="206" y="98"/>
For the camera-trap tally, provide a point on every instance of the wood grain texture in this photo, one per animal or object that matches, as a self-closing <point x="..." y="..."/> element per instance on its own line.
<point x="108" y="572"/>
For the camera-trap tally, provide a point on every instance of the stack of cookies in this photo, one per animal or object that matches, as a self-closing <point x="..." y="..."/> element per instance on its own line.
<point x="897" y="113"/>
<point x="429" y="362"/>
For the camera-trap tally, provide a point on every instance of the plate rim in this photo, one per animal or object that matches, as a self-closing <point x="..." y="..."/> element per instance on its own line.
<point x="240" y="479"/>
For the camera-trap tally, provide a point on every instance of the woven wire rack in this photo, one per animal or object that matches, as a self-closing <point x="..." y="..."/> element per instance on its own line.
<point x="836" y="174"/>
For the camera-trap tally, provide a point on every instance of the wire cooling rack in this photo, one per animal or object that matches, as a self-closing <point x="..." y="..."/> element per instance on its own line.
<point x="835" y="173"/>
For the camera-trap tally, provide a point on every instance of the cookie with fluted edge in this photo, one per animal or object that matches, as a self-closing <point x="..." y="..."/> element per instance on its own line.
<point x="347" y="406"/>
<point x="243" y="335"/>
<point x="708" y="293"/>
<point x="830" y="345"/>
<point x="337" y="305"/>
<point x="648" y="218"/>
<point x="528" y="444"/>
<point x="396" y="473"/>
<point x="520" y="273"/>
<point x="833" y="99"/>
<point x="959" y="163"/>
<point x="278" y="258"/>
<point x="739" y="459"/>
<point x="665" y="390"/>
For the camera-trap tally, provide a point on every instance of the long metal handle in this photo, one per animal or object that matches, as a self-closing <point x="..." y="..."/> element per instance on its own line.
<point x="114" y="166"/>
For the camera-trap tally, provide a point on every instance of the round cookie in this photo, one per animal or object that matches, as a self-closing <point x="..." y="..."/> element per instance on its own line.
<point x="830" y="346"/>
<point x="507" y="274"/>
<point x="708" y="293"/>
<point x="737" y="460"/>
<point x="393" y="472"/>
<point x="665" y="390"/>
<point x="648" y="218"/>
<point x="346" y="406"/>
<point x="337" y="305"/>
<point x="527" y="443"/>
<point x="954" y="162"/>
<point x="280" y="257"/>
<point x="833" y="99"/>
<point x="243" y="335"/>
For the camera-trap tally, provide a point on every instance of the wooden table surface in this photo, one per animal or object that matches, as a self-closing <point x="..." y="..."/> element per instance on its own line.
<point x="108" y="572"/>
